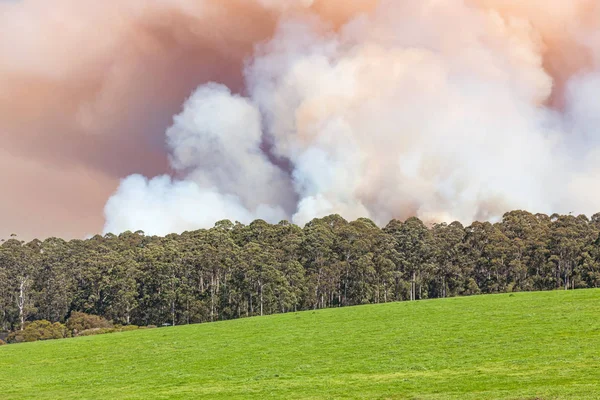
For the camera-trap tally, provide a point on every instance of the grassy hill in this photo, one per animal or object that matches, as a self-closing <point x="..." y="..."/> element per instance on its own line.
<point x="521" y="346"/>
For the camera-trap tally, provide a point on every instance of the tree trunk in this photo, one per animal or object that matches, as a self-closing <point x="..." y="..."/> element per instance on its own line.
<point x="346" y="282"/>
<point x="317" y="290"/>
<point x="385" y="294"/>
<point x="21" y="302"/>
<point x="260" y="287"/>
<point x="173" y="312"/>
<point x="251" y="305"/>
<point x="443" y="287"/>
<point x="187" y="310"/>
<point x="212" y="298"/>
<point x="413" y="286"/>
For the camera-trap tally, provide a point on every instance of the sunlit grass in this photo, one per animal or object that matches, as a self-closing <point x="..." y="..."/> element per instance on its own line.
<point x="521" y="346"/>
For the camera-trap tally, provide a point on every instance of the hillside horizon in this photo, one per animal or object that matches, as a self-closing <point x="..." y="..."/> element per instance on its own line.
<point x="541" y="345"/>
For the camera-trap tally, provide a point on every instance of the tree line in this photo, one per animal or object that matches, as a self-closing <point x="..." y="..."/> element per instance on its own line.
<point x="234" y="270"/>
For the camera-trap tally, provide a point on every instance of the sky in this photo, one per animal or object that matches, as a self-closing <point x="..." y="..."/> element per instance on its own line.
<point x="171" y="115"/>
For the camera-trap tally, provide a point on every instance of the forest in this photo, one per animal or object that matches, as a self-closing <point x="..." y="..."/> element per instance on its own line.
<point x="234" y="270"/>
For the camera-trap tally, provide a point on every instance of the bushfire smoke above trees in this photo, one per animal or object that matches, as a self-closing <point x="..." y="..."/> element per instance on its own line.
<point x="440" y="109"/>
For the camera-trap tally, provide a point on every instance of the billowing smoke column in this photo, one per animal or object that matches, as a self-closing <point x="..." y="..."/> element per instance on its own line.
<point x="443" y="109"/>
<point x="440" y="109"/>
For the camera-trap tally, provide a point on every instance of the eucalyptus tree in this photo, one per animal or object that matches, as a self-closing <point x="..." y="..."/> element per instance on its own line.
<point x="448" y="258"/>
<point x="414" y="245"/>
<point x="19" y="262"/>
<point x="320" y="260"/>
<point x="234" y="270"/>
<point x="569" y="236"/>
<point x="54" y="280"/>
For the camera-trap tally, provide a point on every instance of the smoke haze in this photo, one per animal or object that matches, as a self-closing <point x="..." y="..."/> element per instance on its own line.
<point x="182" y="112"/>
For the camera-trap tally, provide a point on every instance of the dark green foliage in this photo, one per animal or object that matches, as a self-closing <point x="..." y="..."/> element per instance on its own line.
<point x="80" y="322"/>
<point x="102" y="331"/>
<point x="126" y="328"/>
<point x="39" y="330"/>
<point x="235" y="270"/>
<point x="96" y="331"/>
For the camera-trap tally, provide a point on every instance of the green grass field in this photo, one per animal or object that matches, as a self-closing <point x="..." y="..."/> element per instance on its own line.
<point x="521" y="346"/>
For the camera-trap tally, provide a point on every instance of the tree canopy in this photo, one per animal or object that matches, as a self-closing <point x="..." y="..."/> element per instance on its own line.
<point x="234" y="270"/>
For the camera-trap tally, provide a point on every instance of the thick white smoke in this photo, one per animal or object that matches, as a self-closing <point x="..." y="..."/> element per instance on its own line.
<point x="215" y="143"/>
<point x="437" y="109"/>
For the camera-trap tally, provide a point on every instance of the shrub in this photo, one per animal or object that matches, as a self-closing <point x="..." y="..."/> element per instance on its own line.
<point x="96" y="331"/>
<point x="148" y="327"/>
<point x="128" y="328"/>
<point x="102" y="331"/>
<point x="472" y="288"/>
<point x="39" y="330"/>
<point x="79" y="322"/>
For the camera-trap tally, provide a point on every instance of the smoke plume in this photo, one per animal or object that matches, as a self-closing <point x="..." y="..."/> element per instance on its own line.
<point x="443" y="109"/>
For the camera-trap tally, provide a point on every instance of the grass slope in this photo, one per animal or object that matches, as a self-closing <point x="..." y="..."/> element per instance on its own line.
<point x="522" y="346"/>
